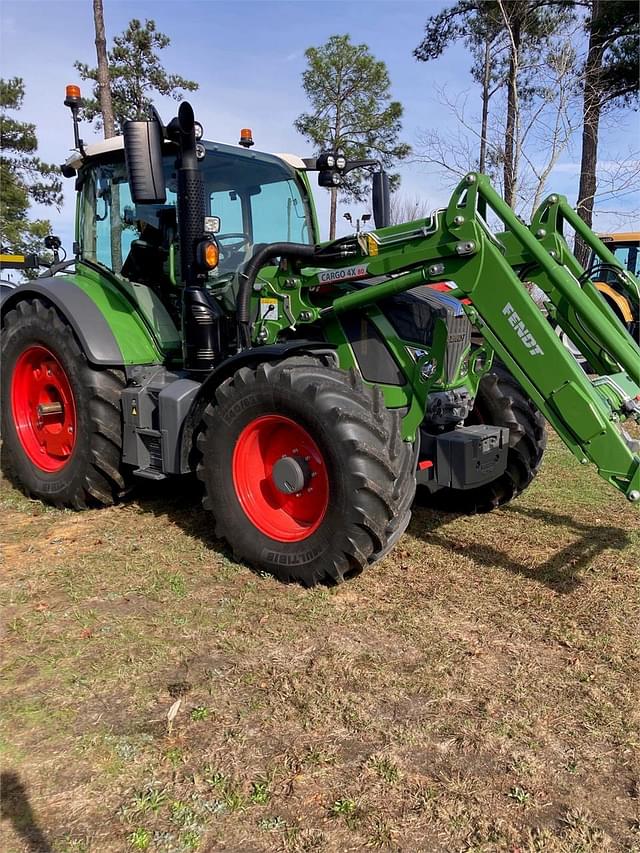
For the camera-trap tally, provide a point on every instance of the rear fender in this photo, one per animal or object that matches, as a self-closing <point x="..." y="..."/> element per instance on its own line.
<point x="616" y="300"/>
<point x="107" y="325"/>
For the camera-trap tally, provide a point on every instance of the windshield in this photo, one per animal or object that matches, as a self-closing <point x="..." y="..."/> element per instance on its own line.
<point x="628" y="254"/>
<point x="257" y="198"/>
<point x="257" y="201"/>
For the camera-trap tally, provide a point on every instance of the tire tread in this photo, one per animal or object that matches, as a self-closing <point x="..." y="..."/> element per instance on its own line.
<point x="105" y="479"/>
<point x="381" y="465"/>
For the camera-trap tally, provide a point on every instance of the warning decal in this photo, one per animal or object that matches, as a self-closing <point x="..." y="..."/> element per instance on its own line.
<point x="268" y="309"/>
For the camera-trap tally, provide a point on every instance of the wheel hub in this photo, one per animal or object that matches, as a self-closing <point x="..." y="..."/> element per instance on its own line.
<point x="280" y="478"/>
<point x="291" y="474"/>
<point x="43" y="408"/>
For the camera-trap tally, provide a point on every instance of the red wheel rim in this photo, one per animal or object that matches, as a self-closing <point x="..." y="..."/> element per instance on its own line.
<point x="283" y="517"/>
<point x="44" y="411"/>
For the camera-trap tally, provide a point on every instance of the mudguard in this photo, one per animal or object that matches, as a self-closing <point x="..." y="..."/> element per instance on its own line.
<point x="6" y="289"/>
<point x="106" y="323"/>
<point x="256" y="355"/>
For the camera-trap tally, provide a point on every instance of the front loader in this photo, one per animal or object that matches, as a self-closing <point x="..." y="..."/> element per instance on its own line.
<point x="203" y="327"/>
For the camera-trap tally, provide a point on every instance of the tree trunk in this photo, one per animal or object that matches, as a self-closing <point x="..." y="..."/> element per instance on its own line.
<point x="512" y="115"/>
<point x="104" y="88"/>
<point x="591" y="122"/>
<point x="486" y="78"/>
<point x="333" y="213"/>
<point x="109" y="126"/>
<point x="337" y="130"/>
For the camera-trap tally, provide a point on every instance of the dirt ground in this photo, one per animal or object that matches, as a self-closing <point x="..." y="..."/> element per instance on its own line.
<point x="478" y="690"/>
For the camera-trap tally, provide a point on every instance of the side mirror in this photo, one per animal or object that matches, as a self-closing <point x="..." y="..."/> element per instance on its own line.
<point x="143" y="155"/>
<point x="380" y="200"/>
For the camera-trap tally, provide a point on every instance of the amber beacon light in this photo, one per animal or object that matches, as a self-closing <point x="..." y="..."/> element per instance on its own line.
<point x="72" y="95"/>
<point x="246" y="138"/>
<point x="208" y="253"/>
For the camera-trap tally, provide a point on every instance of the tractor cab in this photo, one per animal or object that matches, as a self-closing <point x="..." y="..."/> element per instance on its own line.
<point x="621" y="293"/>
<point x="251" y="198"/>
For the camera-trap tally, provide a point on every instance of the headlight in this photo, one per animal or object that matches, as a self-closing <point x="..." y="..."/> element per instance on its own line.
<point x="341" y="161"/>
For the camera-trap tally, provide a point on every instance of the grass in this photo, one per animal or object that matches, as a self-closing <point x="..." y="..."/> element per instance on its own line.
<point x="476" y="690"/>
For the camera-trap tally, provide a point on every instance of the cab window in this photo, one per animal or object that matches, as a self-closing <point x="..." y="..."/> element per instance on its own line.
<point x="257" y="200"/>
<point x="278" y="213"/>
<point x="628" y="257"/>
<point x="228" y="207"/>
<point x="113" y="228"/>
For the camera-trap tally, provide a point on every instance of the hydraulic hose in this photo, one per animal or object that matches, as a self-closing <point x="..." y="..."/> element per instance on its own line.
<point x="293" y="251"/>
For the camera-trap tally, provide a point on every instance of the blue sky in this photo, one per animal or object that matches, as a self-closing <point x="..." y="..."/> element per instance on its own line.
<point x="248" y="58"/>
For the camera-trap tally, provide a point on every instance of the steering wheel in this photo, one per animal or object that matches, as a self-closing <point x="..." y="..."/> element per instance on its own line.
<point x="241" y="244"/>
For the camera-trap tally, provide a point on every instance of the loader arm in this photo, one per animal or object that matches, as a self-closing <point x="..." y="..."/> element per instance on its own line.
<point x="492" y="270"/>
<point x="586" y="412"/>
<point x="548" y="225"/>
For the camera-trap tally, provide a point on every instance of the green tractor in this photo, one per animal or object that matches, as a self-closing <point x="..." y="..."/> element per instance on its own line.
<point x="203" y="327"/>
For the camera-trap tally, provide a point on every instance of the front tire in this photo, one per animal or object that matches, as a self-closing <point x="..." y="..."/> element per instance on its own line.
<point x="501" y="402"/>
<point x="305" y="470"/>
<point x="61" y="418"/>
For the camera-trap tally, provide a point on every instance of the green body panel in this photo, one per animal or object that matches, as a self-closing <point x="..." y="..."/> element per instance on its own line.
<point x="145" y="335"/>
<point x="413" y="394"/>
<point x="292" y="302"/>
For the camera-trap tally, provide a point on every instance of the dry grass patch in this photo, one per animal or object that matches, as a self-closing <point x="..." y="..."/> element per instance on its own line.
<point x="477" y="690"/>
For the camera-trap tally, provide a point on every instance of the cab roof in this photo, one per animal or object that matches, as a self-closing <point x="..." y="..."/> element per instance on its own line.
<point x="116" y="143"/>
<point x="621" y="237"/>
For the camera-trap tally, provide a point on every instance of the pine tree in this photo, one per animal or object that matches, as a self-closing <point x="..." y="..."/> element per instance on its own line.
<point x="352" y="110"/>
<point x="136" y="73"/>
<point x="24" y="177"/>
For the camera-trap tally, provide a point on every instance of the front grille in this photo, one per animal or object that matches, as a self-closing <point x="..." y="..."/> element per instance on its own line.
<point x="459" y="339"/>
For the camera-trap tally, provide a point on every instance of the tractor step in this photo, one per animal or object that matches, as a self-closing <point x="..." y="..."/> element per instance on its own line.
<point x="149" y="474"/>
<point x="154" y="410"/>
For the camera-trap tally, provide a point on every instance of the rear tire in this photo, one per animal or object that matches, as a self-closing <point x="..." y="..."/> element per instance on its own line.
<point x="363" y="473"/>
<point x="501" y="402"/>
<point x="86" y="469"/>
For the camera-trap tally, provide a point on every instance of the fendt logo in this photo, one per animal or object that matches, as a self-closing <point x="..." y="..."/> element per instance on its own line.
<point x="525" y="335"/>
<point x="329" y="276"/>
